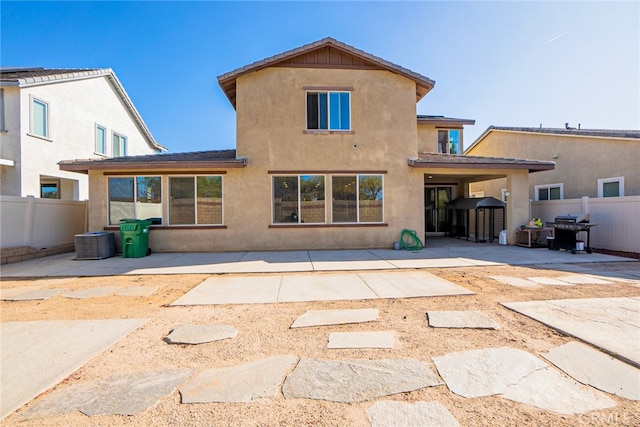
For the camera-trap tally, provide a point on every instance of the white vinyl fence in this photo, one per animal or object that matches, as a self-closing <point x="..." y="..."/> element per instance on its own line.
<point x="618" y="219"/>
<point x="40" y="223"/>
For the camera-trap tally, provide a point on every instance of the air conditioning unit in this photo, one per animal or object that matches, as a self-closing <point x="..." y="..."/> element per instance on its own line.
<point x="95" y="245"/>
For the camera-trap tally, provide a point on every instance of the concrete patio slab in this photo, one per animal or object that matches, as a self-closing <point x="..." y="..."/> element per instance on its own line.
<point x="514" y="281"/>
<point x="549" y="281"/>
<point x="407" y="284"/>
<point x="517" y="375"/>
<point x="610" y="324"/>
<point x="461" y="319"/>
<point x="37" y="294"/>
<point x="335" y="317"/>
<point x="200" y="334"/>
<point x="377" y="339"/>
<point x="592" y="367"/>
<point x="389" y="413"/>
<point x="323" y="287"/>
<point x="244" y="383"/>
<point x="91" y="293"/>
<point x="547" y="389"/>
<point x="37" y="355"/>
<point x="137" y="291"/>
<point x="583" y="279"/>
<point x="233" y="290"/>
<point x="347" y="260"/>
<point x="119" y="394"/>
<point x="356" y="380"/>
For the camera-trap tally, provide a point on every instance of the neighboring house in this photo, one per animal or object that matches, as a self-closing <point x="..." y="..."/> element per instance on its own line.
<point x="47" y="115"/>
<point x="589" y="162"/>
<point x="330" y="153"/>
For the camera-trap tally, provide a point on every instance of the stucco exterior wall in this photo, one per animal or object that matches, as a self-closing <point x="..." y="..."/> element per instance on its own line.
<point x="428" y="138"/>
<point x="271" y="122"/>
<point x="75" y="107"/>
<point x="580" y="161"/>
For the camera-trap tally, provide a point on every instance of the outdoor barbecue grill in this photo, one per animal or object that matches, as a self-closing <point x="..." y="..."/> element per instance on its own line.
<point x="566" y="229"/>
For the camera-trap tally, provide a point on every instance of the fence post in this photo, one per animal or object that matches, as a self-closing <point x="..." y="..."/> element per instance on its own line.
<point x="29" y="214"/>
<point x="585" y="204"/>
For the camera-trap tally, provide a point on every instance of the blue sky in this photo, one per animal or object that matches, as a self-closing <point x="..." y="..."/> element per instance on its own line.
<point x="500" y="63"/>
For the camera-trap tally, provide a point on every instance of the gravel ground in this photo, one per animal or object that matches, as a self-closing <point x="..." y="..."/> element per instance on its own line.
<point x="264" y="331"/>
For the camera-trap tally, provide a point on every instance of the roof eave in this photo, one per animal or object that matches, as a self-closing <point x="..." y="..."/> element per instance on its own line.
<point x="85" y="166"/>
<point x="537" y="167"/>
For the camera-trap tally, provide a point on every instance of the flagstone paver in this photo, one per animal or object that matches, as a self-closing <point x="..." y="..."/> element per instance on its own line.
<point x="38" y="294"/>
<point x="91" y="292"/>
<point x="461" y="319"/>
<point x="199" y="334"/>
<point x="514" y="281"/>
<point x="378" y="339"/>
<point x="597" y="369"/>
<point x="517" y="375"/>
<point x="583" y="279"/>
<point x="356" y="380"/>
<point x="607" y="323"/>
<point x="335" y="317"/>
<point x="548" y="389"/>
<point x="388" y="413"/>
<point x="243" y="383"/>
<point x="119" y="394"/>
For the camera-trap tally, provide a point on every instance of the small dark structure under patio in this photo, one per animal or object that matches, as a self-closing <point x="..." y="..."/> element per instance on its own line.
<point x="476" y="217"/>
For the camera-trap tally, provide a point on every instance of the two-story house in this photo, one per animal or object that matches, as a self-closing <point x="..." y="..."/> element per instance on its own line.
<point x="47" y="115"/>
<point x="330" y="153"/>
<point x="589" y="162"/>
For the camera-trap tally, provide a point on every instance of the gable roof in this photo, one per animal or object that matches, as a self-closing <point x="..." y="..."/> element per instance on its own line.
<point x="328" y="53"/>
<point x="189" y="160"/>
<point x="439" y="161"/>
<point x="593" y="133"/>
<point x="26" y="77"/>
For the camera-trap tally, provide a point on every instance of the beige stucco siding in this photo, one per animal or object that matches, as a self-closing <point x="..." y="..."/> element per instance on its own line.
<point x="580" y="161"/>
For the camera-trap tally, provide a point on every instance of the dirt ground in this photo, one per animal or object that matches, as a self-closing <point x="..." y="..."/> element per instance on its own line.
<point x="264" y="331"/>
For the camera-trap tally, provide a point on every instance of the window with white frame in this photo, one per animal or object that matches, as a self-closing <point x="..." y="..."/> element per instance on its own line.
<point x="195" y="200"/>
<point x="329" y="110"/>
<point x="611" y="187"/>
<point x="101" y="140"/>
<point x="119" y="148"/>
<point x="449" y="141"/>
<point x="136" y="197"/>
<point x="39" y="118"/>
<point x="549" y="192"/>
<point x="357" y="199"/>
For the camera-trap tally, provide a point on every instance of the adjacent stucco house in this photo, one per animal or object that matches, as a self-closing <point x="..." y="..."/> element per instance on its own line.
<point x="589" y="162"/>
<point x="47" y="115"/>
<point x="330" y="153"/>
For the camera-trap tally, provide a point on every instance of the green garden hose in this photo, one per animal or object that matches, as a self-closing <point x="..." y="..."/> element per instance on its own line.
<point x="409" y="241"/>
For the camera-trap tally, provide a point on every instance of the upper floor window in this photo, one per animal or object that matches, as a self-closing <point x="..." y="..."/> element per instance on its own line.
<point x="138" y="197"/>
<point x="39" y="118"/>
<point x="449" y="141"/>
<point x="49" y="190"/>
<point x="611" y="187"/>
<point x="329" y="110"/>
<point x="549" y="192"/>
<point x="119" y="145"/>
<point x="101" y="140"/>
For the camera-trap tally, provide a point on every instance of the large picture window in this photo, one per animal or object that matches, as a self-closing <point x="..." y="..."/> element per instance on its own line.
<point x="195" y="200"/>
<point x="299" y="199"/>
<point x="357" y="198"/>
<point x="135" y="197"/>
<point x="329" y="110"/>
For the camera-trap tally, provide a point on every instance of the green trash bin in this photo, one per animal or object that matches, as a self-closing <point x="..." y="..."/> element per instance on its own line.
<point x="135" y="237"/>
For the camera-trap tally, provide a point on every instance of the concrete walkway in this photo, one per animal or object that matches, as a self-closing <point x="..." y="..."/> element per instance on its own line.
<point x="440" y="252"/>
